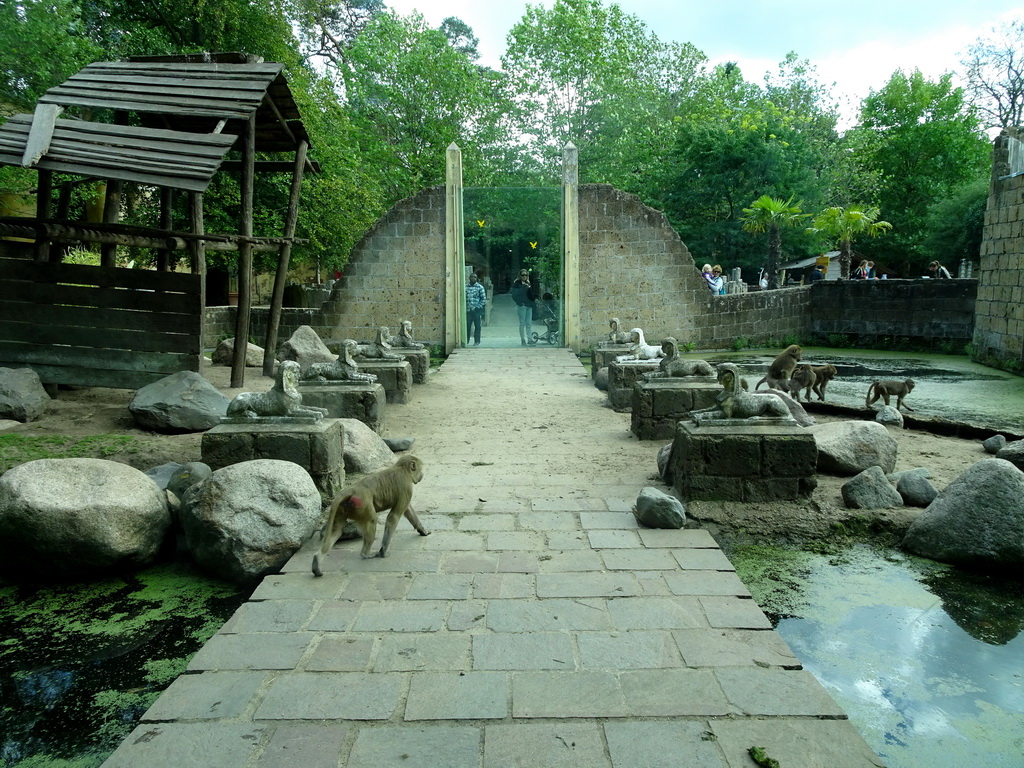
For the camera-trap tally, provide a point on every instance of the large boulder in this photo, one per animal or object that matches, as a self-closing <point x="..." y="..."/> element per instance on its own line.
<point x="916" y="489"/>
<point x="601" y="379"/>
<point x="365" y="450"/>
<point x="870" y="490"/>
<point x="994" y="444"/>
<point x="656" y="509"/>
<point x="181" y="402"/>
<point x="306" y="347"/>
<point x="850" y="447"/>
<point x="22" y="397"/>
<point x="245" y="520"/>
<point x="225" y="353"/>
<point x="1013" y="453"/>
<point x="890" y="416"/>
<point x="70" y="518"/>
<point x="977" y="520"/>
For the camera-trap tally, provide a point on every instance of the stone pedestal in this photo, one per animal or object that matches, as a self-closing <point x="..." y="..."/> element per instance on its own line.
<point x="419" y="359"/>
<point x="660" y="403"/>
<point x="621" y="378"/>
<point x="318" y="447"/>
<point x="743" y="462"/>
<point x="395" y="377"/>
<point x="361" y="400"/>
<point x="604" y="354"/>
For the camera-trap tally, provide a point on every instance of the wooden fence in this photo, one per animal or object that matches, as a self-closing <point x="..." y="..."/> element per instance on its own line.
<point x="99" y="326"/>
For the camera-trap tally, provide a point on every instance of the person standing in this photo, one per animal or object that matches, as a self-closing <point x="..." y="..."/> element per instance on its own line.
<point x="522" y="295"/>
<point x="476" y="300"/>
<point x="716" y="282"/>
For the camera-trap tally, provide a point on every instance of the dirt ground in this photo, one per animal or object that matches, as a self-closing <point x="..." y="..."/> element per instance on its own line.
<point x="96" y="411"/>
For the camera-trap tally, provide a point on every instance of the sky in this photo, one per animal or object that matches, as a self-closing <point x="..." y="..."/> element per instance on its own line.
<point x="857" y="45"/>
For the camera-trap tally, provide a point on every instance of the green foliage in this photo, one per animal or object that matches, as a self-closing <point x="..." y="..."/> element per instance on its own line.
<point x="994" y="70"/>
<point x="18" y="449"/>
<point x="760" y="756"/>
<point x="954" y="225"/>
<point x="771" y="215"/>
<point x="740" y="342"/>
<point x="924" y="141"/>
<point x="844" y="225"/>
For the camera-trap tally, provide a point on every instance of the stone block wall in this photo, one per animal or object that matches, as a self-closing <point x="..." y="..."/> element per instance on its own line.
<point x="757" y="317"/>
<point x="999" y="322"/>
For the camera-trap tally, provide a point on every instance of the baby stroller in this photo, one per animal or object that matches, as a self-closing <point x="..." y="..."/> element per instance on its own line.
<point x="546" y="313"/>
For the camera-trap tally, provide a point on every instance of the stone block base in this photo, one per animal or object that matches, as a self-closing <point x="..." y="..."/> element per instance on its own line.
<point x="604" y="355"/>
<point x="318" y="447"/>
<point x="743" y="463"/>
<point x="419" y="359"/>
<point x="362" y="401"/>
<point x="658" y="405"/>
<point x="395" y="377"/>
<point x="621" y="378"/>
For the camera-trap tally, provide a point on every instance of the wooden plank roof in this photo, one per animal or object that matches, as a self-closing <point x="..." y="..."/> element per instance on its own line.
<point x="190" y="96"/>
<point x="145" y="155"/>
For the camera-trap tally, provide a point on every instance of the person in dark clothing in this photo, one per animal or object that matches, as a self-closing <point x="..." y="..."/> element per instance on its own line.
<point x="523" y="296"/>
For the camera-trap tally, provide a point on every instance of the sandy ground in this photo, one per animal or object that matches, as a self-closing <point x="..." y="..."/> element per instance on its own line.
<point x="96" y="411"/>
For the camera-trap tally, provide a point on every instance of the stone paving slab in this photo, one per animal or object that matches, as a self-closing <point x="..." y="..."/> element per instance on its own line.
<point x="538" y="625"/>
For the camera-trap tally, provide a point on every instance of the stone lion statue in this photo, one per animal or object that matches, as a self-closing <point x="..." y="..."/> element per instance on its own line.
<point x="404" y="340"/>
<point x="672" y="365"/>
<point x="342" y="369"/>
<point x="735" y="402"/>
<point x="380" y="349"/>
<point x="283" y="401"/>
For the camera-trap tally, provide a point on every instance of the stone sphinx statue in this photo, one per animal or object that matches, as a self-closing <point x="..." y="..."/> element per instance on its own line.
<point x="735" y="402"/>
<point x="404" y="340"/>
<point x="620" y="337"/>
<point x="641" y="350"/>
<point x="672" y="365"/>
<point x="380" y="349"/>
<point x="282" y="403"/>
<point x="344" y="369"/>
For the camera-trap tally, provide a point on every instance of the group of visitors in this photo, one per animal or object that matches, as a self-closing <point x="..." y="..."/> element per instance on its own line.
<point x="713" y="276"/>
<point x="523" y="295"/>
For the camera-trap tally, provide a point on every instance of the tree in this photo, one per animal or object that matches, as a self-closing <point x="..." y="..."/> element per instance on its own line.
<point x="844" y="225"/>
<point x="924" y="141"/>
<point x="954" y="225"/>
<point x="994" y="69"/>
<point x="771" y="215"/>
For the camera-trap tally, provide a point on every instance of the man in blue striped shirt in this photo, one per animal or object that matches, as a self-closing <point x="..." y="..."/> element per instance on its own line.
<point x="476" y="300"/>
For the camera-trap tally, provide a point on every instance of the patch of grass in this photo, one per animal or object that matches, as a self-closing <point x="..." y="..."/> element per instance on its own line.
<point x="18" y="449"/>
<point x="740" y="342"/>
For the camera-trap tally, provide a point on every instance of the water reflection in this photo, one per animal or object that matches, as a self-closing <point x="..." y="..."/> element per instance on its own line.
<point x="927" y="661"/>
<point x="948" y="386"/>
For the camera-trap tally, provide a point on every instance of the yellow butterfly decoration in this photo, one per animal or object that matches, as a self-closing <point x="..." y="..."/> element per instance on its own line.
<point x="533" y="245"/>
<point x="481" y="221"/>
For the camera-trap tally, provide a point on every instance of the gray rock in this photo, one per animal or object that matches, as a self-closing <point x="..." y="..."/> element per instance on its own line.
<point x="399" y="444"/>
<point x="978" y="519"/>
<point x="850" y="447"/>
<point x="71" y="518"/>
<point x="870" y="490"/>
<point x="796" y="410"/>
<point x="365" y="450"/>
<point x="994" y="444"/>
<point x="1013" y="453"/>
<point x="659" y="510"/>
<point x="187" y="475"/>
<point x="306" y="347"/>
<point x="890" y="416"/>
<point x="916" y="490"/>
<point x="601" y="379"/>
<point x="225" y="352"/>
<point x="162" y="475"/>
<point x="181" y="402"/>
<point x="665" y="463"/>
<point x="22" y="397"/>
<point x="894" y="477"/>
<point x="246" y="520"/>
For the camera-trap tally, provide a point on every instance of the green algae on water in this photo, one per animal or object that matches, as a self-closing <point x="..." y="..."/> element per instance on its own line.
<point x="775" y="577"/>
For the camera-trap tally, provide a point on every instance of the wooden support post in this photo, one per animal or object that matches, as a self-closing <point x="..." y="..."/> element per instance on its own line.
<point x="44" y="190"/>
<point x="111" y="215"/>
<point x="245" y="255"/>
<point x="198" y="259"/>
<point x="276" y="302"/>
<point x="163" y="256"/>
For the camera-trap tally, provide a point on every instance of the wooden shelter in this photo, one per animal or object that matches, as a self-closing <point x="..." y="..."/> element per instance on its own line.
<point x="175" y="119"/>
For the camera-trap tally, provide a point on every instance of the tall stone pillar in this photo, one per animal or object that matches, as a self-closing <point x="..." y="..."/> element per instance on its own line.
<point x="571" y="245"/>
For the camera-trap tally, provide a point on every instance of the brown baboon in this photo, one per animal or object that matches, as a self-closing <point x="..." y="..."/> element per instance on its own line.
<point x="782" y="367"/>
<point x="803" y="378"/>
<point x="886" y="389"/>
<point x="823" y="374"/>
<point x="388" y="489"/>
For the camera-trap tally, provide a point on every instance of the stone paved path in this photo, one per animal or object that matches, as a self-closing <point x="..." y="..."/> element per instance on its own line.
<point x="537" y="625"/>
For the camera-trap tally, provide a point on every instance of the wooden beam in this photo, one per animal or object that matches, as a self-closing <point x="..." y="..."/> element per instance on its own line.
<point x="44" y="191"/>
<point x="277" y="300"/>
<point x="245" y="255"/>
<point x="43" y="123"/>
<point x="163" y="255"/>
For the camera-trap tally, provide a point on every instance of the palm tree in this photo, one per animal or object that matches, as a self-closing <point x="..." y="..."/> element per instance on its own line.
<point x="845" y="224"/>
<point x="771" y="214"/>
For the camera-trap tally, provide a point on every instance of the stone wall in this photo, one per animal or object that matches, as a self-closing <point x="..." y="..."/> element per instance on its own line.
<point x="999" y="324"/>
